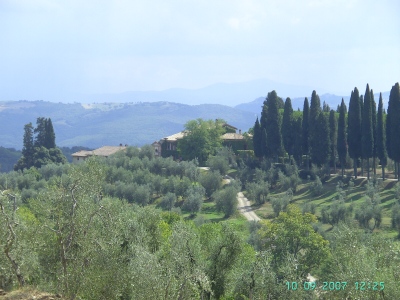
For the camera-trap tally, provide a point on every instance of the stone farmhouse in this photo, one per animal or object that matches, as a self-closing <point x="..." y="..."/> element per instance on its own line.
<point x="168" y="146"/>
<point x="104" y="151"/>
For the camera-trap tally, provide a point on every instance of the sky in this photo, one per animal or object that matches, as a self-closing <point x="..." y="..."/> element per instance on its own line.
<point x="53" y="49"/>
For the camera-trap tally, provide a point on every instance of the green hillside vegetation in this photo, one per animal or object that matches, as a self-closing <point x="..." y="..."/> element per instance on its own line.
<point x="136" y="226"/>
<point x="167" y="226"/>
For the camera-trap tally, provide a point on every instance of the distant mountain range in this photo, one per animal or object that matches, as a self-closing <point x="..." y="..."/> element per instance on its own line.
<point x="229" y="94"/>
<point x="97" y="125"/>
<point x="332" y="100"/>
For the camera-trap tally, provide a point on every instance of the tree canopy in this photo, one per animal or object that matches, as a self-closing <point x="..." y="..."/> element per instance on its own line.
<point x="201" y="139"/>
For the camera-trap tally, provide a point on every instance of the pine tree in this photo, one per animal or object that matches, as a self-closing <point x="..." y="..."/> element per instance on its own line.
<point x="273" y="126"/>
<point x="341" y="136"/>
<point x="367" y="134"/>
<point x="333" y="132"/>
<point x="315" y="111"/>
<point x="320" y="151"/>
<point x="393" y="126"/>
<point x="381" y="137"/>
<point x="257" y="139"/>
<point x="287" y="127"/>
<point x="305" y="133"/>
<point x="354" y="128"/>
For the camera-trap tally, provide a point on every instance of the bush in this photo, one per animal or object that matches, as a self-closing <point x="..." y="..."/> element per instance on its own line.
<point x="309" y="208"/>
<point x="226" y="200"/>
<point x="194" y="199"/>
<point x="168" y="201"/>
<point x="280" y="204"/>
<point x="211" y="181"/>
<point x="316" y="187"/>
<point x="258" y="191"/>
<point x="218" y="163"/>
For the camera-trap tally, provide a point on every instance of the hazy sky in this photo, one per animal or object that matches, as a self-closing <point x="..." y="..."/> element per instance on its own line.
<point x="54" y="47"/>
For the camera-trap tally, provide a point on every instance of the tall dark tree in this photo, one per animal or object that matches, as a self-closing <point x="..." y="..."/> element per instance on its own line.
<point x="321" y="150"/>
<point x="315" y="111"/>
<point x="374" y="151"/>
<point x="28" y="150"/>
<point x="381" y="137"/>
<point x="40" y="150"/>
<point x="264" y="142"/>
<point x="273" y="126"/>
<point x="298" y="140"/>
<point x="287" y="127"/>
<point x="257" y="140"/>
<point x="393" y="126"/>
<point x="333" y="132"/>
<point x="367" y="133"/>
<point x="50" y="137"/>
<point x="40" y="132"/>
<point x="341" y="136"/>
<point x="354" y="128"/>
<point x="305" y="132"/>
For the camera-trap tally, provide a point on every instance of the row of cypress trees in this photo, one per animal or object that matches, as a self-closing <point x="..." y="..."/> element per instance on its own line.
<point x="362" y="133"/>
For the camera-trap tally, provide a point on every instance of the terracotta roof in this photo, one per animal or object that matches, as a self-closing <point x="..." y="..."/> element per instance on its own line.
<point x="232" y="136"/>
<point x="103" y="151"/>
<point x="108" y="150"/>
<point x="175" y="136"/>
<point x="82" y="153"/>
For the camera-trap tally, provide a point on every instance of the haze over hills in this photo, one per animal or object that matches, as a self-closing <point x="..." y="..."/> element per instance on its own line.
<point x="297" y="102"/>
<point x="97" y="125"/>
<point x="137" y="118"/>
<point x="230" y="94"/>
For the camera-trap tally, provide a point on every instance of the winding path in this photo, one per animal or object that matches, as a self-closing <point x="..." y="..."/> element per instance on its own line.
<point x="244" y="207"/>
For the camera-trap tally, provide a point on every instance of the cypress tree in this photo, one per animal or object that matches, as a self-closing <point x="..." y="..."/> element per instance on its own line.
<point x="264" y="142"/>
<point x="257" y="140"/>
<point x="40" y="131"/>
<point x="367" y="136"/>
<point x="333" y="132"/>
<point x="393" y="126"/>
<point x="50" y="137"/>
<point x="28" y="150"/>
<point x="298" y="140"/>
<point x="341" y="136"/>
<point x="354" y="128"/>
<point x="287" y="127"/>
<point x="305" y="134"/>
<point x="381" y="137"/>
<point x="315" y="111"/>
<point x="273" y="126"/>
<point x="263" y="127"/>
<point x="320" y="151"/>
<point x="374" y="151"/>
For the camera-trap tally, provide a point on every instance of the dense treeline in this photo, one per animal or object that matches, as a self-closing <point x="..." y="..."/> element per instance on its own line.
<point x="359" y="135"/>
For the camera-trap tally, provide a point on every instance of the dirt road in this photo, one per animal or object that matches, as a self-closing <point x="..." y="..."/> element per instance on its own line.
<point x="244" y="207"/>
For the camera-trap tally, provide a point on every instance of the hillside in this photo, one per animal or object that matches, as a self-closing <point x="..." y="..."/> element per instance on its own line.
<point x="96" y="125"/>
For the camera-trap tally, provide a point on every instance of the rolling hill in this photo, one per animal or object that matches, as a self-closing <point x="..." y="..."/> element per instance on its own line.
<point x="95" y="125"/>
